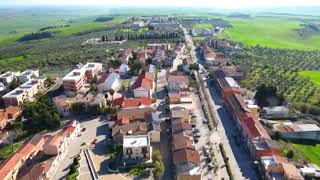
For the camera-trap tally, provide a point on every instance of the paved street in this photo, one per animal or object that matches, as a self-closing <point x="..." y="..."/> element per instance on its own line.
<point x="239" y="160"/>
<point x="94" y="129"/>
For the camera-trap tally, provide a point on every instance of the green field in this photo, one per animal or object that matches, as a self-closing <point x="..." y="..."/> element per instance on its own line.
<point x="270" y="32"/>
<point x="203" y="26"/>
<point x="314" y="76"/>
<point x="12" y="59"/>
<point x="311" y="152"/>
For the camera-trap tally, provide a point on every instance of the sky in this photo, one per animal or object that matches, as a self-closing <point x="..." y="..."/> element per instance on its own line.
<point x="226" y="4"/>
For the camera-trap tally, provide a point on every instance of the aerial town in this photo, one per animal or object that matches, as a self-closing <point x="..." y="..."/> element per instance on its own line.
<point x="167" y="110"/>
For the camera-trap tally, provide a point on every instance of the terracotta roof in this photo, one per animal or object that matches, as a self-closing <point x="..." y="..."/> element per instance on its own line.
<point x="61" y="101"/>
<point x="146" y="101"/>
<point x="137" y="128"/>
<point x="185" y="156"/>
<point x="131" y="102"/>
<point x="144" y="80"/>
<point x="181" y="141"/>
<point x="291" y="171"/>
<point x="178" y="127"/>
<point x="3" y="118"/>
<point x="56" y="139"/>
<point x="134" y="112"/>
<point x="9" y="164"/>
<point x="69" y="130"/>
<point x="14" y="111"/>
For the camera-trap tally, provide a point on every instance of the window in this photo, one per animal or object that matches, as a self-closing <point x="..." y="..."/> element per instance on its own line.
<point x="129" y="151"/>
<point x="144" y="150"/>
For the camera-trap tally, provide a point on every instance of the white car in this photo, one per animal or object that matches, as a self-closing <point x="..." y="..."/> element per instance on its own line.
<point x="196" y="134"/>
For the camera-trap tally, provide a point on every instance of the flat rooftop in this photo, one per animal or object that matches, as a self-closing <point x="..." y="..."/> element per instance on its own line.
<point x="26" y="72"/>
<point x="136" y="141"/>
<point x="290" y="127"/>
<point x="24" y="87"/>
<point x="90" y="66"/>
<point x="74" y="75"/>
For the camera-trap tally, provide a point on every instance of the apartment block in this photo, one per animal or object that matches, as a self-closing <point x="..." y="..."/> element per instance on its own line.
<point x="74" y="80"/>
<point x="28" y="75"/>
<point x="92" y="70"/>
<point x="136" y="148"/>
<point x="23" y="93"/>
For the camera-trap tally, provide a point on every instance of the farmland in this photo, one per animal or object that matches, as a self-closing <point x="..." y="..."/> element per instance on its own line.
<point x="271" y="32"/>
<point x="203" y="26"/>
<point x="313" y="76"/>
<point x="310" y="152"/>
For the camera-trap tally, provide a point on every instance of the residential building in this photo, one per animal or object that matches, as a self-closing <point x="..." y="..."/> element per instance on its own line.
<point x="277" y="112"/>
<point x="142" y="56"/>
<point x="7" y="77"/>
<point x="284" y="171"/>
<point x="182" y="127"/>
<point x="187" y="162"/>
<point x="3" y="89"/>
<point x="126" y="55"/>
<point x="92" y="70"/>
<point x="143" y="86"/>
<point x="227" y="86"/>
<point x="177" y="82"/>
<point x="293" y="131"/>
<point x="25" y="92"/>
<point x="154" y="127"/>
<point x="112" y="82"/>
<point x="162" y="46"/>
<point x="43" y="170"/>
<point x="182" y="141"/>
<point x="264" y="147"/>
<point x="128" y="115"/>
<point x="136" y="102"/>
<point x="74" y="81"/>
<point x="9" y="169"/>
<point x="208" y="55"/>
<point x="136" y="148"/>
<point x="62" y="105"/>
<point x="3" y="119"/>
<point x="27" y="75"/>
<point x="135" y="128"/>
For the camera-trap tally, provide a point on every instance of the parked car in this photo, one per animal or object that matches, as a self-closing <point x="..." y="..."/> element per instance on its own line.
<point x="210" y="166"/>
<point x="196" y="140"/>
<point x="193" y="125"/>
<point x="83" y="129"/>
<point x="196" y="134"/>
<point x="195" y="130"/>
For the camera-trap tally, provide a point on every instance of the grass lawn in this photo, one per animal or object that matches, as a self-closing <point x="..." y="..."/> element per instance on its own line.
<point x="314" y="76"/>
<point x="11" y="59"/>
<point x="203" y="26"/>
<point x="6" y="150"/>
<point x="270" y="32"/>
<point x="311" y="152"/>
<point x="198" y="38"/>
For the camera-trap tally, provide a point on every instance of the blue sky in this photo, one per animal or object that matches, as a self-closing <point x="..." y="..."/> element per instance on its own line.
<point x="228" y="4"/>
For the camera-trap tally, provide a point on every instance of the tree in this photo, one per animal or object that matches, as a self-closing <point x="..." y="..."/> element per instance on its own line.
<point x="194" y="66"/>
<point x="290" y="154"/>
<point x="157" y="163"/>
<point x="267" y="96"/>
<point x="103" y="39"/>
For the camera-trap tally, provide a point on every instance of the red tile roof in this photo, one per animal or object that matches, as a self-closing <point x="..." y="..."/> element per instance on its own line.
<point x="144" y="80"/>
<point x="186" y="155"/>
<point x="146" y="101"/>
<point x="131" y="102"/>
<point x="118" y="101"/>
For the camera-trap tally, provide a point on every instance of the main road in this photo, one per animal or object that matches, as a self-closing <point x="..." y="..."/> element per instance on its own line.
<point x="239" y="160"/>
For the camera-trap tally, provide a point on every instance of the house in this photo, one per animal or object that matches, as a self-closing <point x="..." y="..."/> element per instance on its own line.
<point x="111" y="82"/>
<point x="92" y="70"/>
<point x="277" y="112"/>
<point x="182" y="141"/>
<point x="180" y="112"/>
<point x="135" y="128"/>
<point x="264" y="147"/>
<point x="62" y="105"/>
<point x="293" y="131"/>
<point x="136" y="102"/>
<point x="24" y="93"/>
<point x="143" y="86"/>
<point x="74" y="81"/>
<point x="227" y="86"/>
<point x="208" y="55"/>
<point x="128" y="115"/>
<point x="284" y="170"/>
<point x="162" y="46"/>
<point x="182" y="127"/>
<point x="142" y="56"/>
<point x="177" y="82"/>
<point x="3" y="119"/>
<point x="187" y="162"/>
<point x="27" y="75"/>
<point x="9" y="169"/>
<point x="43" y="170"/>
<point x="7" y="77"/>
<point x="136" y="148"/>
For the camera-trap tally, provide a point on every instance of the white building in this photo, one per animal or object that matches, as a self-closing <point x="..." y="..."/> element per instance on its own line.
<point x="136" y="148"/>
<point x="74" y="81"/>
<point x="112" y="82"/>
<point x="23" y="93"/>
<point x="299" y="131"/>
<point x="7" y="77"/>
<point x="276" y="112"/>
<point x="156" y="46"/>
<point x="27" y="75"/>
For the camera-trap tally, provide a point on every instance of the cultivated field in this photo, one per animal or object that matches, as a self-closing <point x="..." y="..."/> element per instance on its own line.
<point x="311" y="152"/>
<point x="271" y="32"/>
<point x="314" y="76"/>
